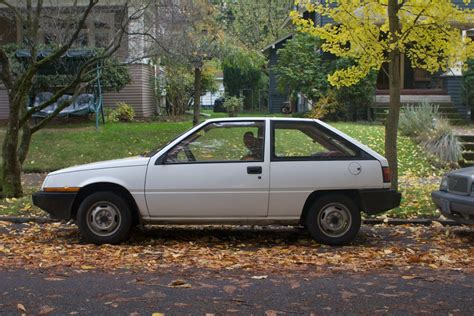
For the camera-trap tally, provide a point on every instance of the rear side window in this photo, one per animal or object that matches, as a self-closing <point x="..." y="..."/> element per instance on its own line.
<point x="293" y="140"/>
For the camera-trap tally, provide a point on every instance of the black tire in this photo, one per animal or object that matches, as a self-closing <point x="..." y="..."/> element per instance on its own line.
<point x="333" y="220"/>
<point x="111" y="222"/>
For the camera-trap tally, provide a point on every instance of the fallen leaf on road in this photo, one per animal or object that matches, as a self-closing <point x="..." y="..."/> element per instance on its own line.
<point x="179" y="283"/>
<point x="229" y="289"/>
<point x="20" y="307"/>
<point x="54" y="279"/>
<point x="45" y="310"/>
<point x="86" y="267"/>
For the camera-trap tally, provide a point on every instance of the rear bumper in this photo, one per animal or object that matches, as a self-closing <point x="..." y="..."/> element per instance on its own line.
<point x="457" y="207"/>
<point x="376" y="201"/>
<point x="57" y="204"/>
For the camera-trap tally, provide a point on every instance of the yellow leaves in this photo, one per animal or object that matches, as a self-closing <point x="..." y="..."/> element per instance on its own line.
<point x="429" y="34"/>
<point x="11" y="200"/>
<point x="86" y="267"/>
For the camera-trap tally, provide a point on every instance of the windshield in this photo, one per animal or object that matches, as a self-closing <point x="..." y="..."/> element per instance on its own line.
<point x="155" y="151"/>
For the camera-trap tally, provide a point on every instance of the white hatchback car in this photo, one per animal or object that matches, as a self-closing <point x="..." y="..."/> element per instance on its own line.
<point x="256" y="171"/>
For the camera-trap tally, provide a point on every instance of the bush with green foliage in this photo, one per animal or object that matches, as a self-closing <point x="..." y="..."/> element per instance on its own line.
<point x="301" y="69"/>
<point x="122" y="113"/>
<point x="418" y="120"/>
<point x="357" y="96"/>
<point x="180" y="87"/>
<point x="233" y="105"/>
<point x="114" y="74"/>
<point x="243" y="70"/>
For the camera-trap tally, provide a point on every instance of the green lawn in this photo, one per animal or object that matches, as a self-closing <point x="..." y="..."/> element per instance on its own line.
<point x="66" y="145"/>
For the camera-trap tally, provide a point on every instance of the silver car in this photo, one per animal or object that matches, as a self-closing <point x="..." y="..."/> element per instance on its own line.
<point x="455" y="197"/>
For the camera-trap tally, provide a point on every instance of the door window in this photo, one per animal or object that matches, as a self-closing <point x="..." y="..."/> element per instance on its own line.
<point x="307" y="141"/>
<point x="221" y="142"/>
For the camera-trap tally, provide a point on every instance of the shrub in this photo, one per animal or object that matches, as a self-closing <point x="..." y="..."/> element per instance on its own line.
<point x="122" y="113"/>
<point x="358" y="96"/>
<point x="179" y="87"/>
<point x="416" y="120"/>
<point x="442" y="143"/>
<point x="327" y="106"/>
<point x="233" y="105"/>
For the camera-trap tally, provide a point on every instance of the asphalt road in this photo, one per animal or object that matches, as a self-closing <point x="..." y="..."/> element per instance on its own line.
<point x="71" y="291"/>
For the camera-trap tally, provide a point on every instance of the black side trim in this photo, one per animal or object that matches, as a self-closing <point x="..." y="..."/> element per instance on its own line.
<point x="376" y="201"/>
<point x="58" y="205"/>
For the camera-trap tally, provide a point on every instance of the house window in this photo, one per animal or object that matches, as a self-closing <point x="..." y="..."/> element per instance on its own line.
<point x="103" y="33"/>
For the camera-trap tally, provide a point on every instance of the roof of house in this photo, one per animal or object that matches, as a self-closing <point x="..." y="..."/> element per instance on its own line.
<point x="281" y="39"/>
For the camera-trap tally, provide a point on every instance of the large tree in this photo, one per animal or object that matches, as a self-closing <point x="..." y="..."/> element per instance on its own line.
<point x="255" y="23"/>
<point x="374" y="32"/>
<point x="189" y="34"/>
<point x="56" y="27"/>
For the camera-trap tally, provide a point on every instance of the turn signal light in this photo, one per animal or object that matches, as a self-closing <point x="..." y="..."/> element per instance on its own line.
<point x="61" y="189"/>
<point x="387" y="174"/>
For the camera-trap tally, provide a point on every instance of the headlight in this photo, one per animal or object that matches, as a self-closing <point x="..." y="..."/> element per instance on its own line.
<point x="444" y="184"/>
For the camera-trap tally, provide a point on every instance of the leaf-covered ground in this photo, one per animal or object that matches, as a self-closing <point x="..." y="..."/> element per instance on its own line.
<point x="31" y="246"/>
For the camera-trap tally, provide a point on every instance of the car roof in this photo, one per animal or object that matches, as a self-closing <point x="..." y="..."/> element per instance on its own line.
<point x="259" y="118"/>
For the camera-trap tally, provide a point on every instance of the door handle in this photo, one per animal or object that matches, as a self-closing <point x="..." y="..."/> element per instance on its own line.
<point x="254" y="170"/>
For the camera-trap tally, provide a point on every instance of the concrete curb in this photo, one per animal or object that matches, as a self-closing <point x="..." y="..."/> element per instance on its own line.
<point x="368" y="221"/>
<point x="21" y="220"/>
<point x="416" y="221"/>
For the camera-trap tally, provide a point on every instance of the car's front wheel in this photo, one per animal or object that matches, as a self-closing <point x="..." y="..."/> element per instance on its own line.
<point x="104" y="218"/>
<point x="333" y="220"/>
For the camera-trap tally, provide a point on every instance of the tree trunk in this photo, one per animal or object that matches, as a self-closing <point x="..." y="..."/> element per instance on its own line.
<point x="11" y="166"/>
<point x="197" y="94"/>
<point x="391" y="124"/>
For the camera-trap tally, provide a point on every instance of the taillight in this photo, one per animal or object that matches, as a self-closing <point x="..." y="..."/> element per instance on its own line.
<point x="387" y="174"/>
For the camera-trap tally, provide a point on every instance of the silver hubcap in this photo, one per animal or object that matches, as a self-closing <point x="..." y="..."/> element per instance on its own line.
<point x="334" y="220"/>
<point x="103" y="218"/>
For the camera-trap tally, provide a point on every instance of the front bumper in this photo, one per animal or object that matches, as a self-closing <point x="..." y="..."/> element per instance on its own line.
<point x="57" y="204"/>
<point x="379" y="200"/>
<point x="457" y="207"/>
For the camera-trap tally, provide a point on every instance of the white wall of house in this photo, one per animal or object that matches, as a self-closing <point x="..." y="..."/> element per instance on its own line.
<point x="208" y="99"/>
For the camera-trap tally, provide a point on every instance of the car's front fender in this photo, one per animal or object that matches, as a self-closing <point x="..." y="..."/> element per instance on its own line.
<point x="130" y="178"/>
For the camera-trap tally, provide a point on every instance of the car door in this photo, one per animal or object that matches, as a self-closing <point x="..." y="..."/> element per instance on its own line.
<point x="307" y="157"/>
<point x="219" y="171"/>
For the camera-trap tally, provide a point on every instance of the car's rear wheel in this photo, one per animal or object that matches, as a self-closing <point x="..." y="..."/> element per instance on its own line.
<point x="104" y="218"/>
<point x="333" y="220"/>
